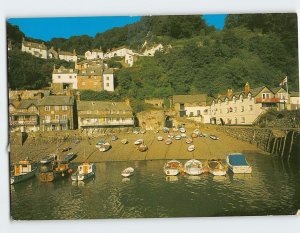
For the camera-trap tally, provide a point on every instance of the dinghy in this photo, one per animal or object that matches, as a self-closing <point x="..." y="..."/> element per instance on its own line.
<point x="194" y="135"/>
<point x="168" y="141"/>
<point x="84" y="171"/>
<point x="216" y="167"/>
<point x="178" y="137"/>
<point x="214" y="137"/>
<point x="23" y="170"/>
<point x="142" y="147"/>
<point x="172" y="168"/>
<point x="114" y="138"/>
<point x="193" y="167"/>
<point x="69" y="157"/>
<point x="105" y="147"/>
<point x="183" y="135"/>
<point x="237" y="163"/>
<point x="138" y="142"/>
<point x="182" y="130"/>
<point x="160" y="138"/>
<point x="188" y="140"/>
<point x="48" y="159"/>
<point x="127" y="172"/>
<point x="124" y="141"/>
<point x="100" y="143"/>
<point x="143" y="131"/>
<point x="191" y="148"/>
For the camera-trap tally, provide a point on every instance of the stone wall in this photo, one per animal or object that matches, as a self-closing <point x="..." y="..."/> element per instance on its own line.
<point x="151" y="119"/>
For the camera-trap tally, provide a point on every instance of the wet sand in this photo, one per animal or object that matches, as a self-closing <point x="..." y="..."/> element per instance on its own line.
<point x="206" y="148"/>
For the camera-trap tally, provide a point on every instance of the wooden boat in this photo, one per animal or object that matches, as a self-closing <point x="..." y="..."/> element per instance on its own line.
<point x="84" y="171"/>
<point x="138" y="142"/>
<point x="114" y="138"/>
<point x="172" y="168"/>
<point x="69" y="157"/>
<point x="104" y="147"/>
<point x="23" y="170"/>
<point x="216" y="167"/>
<point x="124" y="141"/>
<point x="182" y="130"/>
<point x="193" y="167"/>
<point x="168" y="141"/>
<point x="191" y="148"/>
<point x="142" y="147"/>
<point x="160" y="138"/>
<point x="188" y="140"/>
<point x="127" y="172"/>
<point x="48" y="159"/>
<point x="100" y="143"/>
<point x="54" y="171"/>
<point x="237" y="163"/>
<point x="214" y="137"/>
<point x="178" y="137"/>
<point x="194" y="135"/>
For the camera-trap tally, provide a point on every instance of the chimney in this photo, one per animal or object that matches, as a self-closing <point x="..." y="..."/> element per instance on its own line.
<point x="19" y="97"/>
<point x="247" y="88"/>
<point x="229" y="92"/>
<point x="40" y="95"/>
<point x="78" y="96"/>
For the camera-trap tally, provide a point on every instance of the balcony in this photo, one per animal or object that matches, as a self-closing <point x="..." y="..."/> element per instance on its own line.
<point x="55" y="122"/>
<point x="267" y="100"/>
<point x="22" y="122"/>
<point x="110" y="123"/>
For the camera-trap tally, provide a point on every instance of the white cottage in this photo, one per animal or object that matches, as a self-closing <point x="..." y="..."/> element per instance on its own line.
<point x="35" y="49"/>
<point x="65" y="76"/>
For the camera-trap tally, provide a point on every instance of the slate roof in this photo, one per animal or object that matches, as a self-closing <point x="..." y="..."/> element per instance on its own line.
<point x="34" y="45"/>
<point x="102" y="106"/>
<point x="57" y="100"/>
<point x="190" y="98"/>
<point x="27" y="94"/>
<point x="66" y="53"/>
<point x="108" y="71"/>
<point x="24" y="104"/>
<point x="63" y="70"/>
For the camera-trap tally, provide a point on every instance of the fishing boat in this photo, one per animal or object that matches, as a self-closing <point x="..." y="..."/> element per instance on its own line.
<point x="124" y="141"/>
<point x="142" y="147"/>
<point x="237" y="163"/>
<point x="127" y="172"/>
<point x="84" y="171"/>
<point x="114" y="138"/>
<point x="23" y="170"/>
<point x="188" y="140"/>
<point x="216" y="167"/>
<point x="61" y="170"/>
<point x="104" y="147"/>
<point x="191" y="148"/>
<point x="160" y="138"/>
<point x="178" y="137"/>
<point x="172" y="168"/>
<point x="214" y="137"/>
<point x="182" y="130"/>
<point x="69" y="157"/>
<point x="193" y="167"/>
<point x="100" y="143"/>
<point x="54" y="171"/>
<point x="138" y="142"/>
<point x="168" y="141"/>
<point x="48" y="159"/>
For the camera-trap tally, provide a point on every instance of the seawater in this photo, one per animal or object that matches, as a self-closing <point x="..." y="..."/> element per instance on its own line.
<point x="273" y="188"/>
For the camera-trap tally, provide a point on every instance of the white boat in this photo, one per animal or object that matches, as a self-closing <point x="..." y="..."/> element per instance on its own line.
<point x="105" y="147"/>
<point x="100" y="143"/>
<point x="160" y="138"/>
<point x="142" y="148"/>
<point x="84" y="171"/>
<point x="193" y="167"/>
<point x="114" y="138"/>
<point x="138" y="142"/>
<point x="170" y="135"/>
<point x="124" y="141"/>
<point x="182" y="130"/>
<point x="172" y="168"/>
<point x="23" y="170"/>
<point x="216" y="167"/>
<point x="168" y="141"/>
<point x="183" y="135"/>
<point x="48" y="159"/>
<point x="214" y="137"/>
<point x="178" y="137"/>
<point x="191" y="148"/>
<point x="188" y="140"/>
<point x="142" y="131"/>
<point x="237" y="163"/>
<point x="127" y="172"/>
<point x="196" y="131"/>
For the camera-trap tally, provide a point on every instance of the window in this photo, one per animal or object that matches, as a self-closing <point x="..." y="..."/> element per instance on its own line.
<point x="242" y="109"/>
<point x="47" y="118"/>
<point x="265" y="95"/>
<point x="243" y="120"/>
<point x="107" y="84"/>
<point x="47" y="108"/>
<point x="250" y="107"/>
<point x="56" y="117"/>
<point x="58" y="76"/>
<point x="56" y="108"/>
<point x="64" y="117"/>
<point x="107" y="78"/>
<point x="64" y="108"/>
<point x="70" y="77"/>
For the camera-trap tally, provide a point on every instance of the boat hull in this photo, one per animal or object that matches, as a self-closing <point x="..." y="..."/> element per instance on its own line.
<point x="194" y="171"/>
<point x="218" y="172"/>
<point x="171" y="171"/>
<point x="22" y="177"/>
<point x="82" y="177"/>
<point x="241" y="169"/>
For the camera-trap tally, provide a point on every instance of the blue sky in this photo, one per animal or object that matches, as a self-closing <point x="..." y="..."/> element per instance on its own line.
<point x="48" y="28"/>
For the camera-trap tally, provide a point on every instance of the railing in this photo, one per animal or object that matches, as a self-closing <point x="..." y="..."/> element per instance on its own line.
<point x="55" y="121"/>
<point x="113" y="123"/>
<point x="267" y="100"/>
<point x="27" y="122"/>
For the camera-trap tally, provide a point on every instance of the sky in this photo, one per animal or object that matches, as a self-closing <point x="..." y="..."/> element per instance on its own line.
<point x="48" y="28"/>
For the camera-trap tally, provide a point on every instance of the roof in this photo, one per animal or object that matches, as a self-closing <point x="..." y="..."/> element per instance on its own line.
<point x="27" y="94"/>
<point x="92" y="70"/>
<point x="108" y="71"/>
<point x="102" y="106"/>
<point x="66" y="53"/>
<point x="294" y="94"/>
<point x="96" y="50"/>
<point x="63" y="70"/>
<point x="24" y="104"/>
<point x="115" y="49"/>
<point x="34" y="45"/>
<point x="97" y="61"/>
<point x="57" y="100"/>
<point x="190" y="98"/>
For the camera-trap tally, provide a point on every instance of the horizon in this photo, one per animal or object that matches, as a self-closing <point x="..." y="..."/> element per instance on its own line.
<point x="67" y="27"/>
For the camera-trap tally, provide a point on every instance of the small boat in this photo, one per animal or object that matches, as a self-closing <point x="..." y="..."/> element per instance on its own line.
<point x="61" y="170"/>
<point x="188" y="140"/>
<point x="160" y="138"/>
<point x="172" y="168"/>
<point x="104" y="147"/>
<point x="48" y="159"/>
<point x="127" y="172"/>
<point x="135" y="131"/>
<point x="138" y="142"/>
<point x="183" y="135"/>
<point x="194" y="135"/>
<point x="193" y="167"/>
<point x="191" y="148"/>
<point x="84" y="171"/>
<point x="114" y="138"/>
<point x="23" y="170"/>
<point x="178" y="137"/>
<point x="170" y="135"/>
<point x="100" y="143"/>
<point x="124" y="141"/>
<point x="237" y="163"/>
<point x="77" y="141"/>
<point x="69" y="157"/>
<point x="196" y="131"/>
<point x="66" y="149"/>
<point x="165" y="130"/>
<point x="182" y="130"/>
<point x="216" y="167"/>
<point x="142" y="147"/>
<point x="54" y="171"/>
<point x="205" y="135"/>
<point x="168" y="141"/>
<point x="214" y="137"/>
<point x="143" y="131"/>
<point x="175" y="129"/>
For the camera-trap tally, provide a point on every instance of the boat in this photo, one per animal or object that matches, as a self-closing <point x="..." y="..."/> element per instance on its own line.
<point x="194" y="135"/>
<point x="114" y="138"/>
<point x="23" y="170"/>
<point x="142" y="147"/>
<point x="84" y="171"/>
<point x="237" y="163"/>
<point x="216" y="167"/>
<point x="100" y="143"/>
<point x="172" y="168"/>
<point x="170" y="135"/>
<point x="183" y="135"/>
<point x="66" y="149"/>
<point x="138" y="142"/>
<point x="54" y="171"/>
<point x="214" y="137"/>
<point x="193" y="167"/>
<point x="160" y="138"/>
<point x="188" y="140"/>
<point x="205" y="135"/>
<point x="127" y="172"/>
<point x="135" y="131"/>
<point x="143" y="131"/>
<point x="104" y="147"/>
<point x="48" y="159"/>
<point x="175" y="129"/>
<point x="191" y="148"/>
<point x="168" y="141"/>
<point x="124" y="141"/>
<point x="182" y="130"/>
<point x="178" y="137"/>
<point x="165" y="130"/>
<point x="196" y="131"/>
<point x="69" y="157"/>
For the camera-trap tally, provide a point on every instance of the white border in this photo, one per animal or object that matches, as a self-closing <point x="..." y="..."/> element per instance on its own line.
<point x="38" y="8"/>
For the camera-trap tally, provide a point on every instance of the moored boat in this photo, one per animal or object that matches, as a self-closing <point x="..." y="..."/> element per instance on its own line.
<point x="168" y="141"/>
<point x="124" y="141"/>
<point x="188" y="140"/>
<point x="160" y="138"/>
<point x="48" y="159"/>
<point x="114" y="138"/>
<point x="138" y="142"/>
<point x="69" y="157"/>
<point x="214" y="137"/>
<point x="100" y="143"/>
<point x="105" y="147"/>
<point x="216" y="167"/>
<point x="178" y="137"/>
<point x="84" y="171"/>
<point x="165" y="130"/>
<point x="196" y="131"/>
<point x="193" y="167"/>
<point x="142" y="147"/>
<point x="143" y="131"/>
<point x="194" y="135"/>
<point x="191" y="148"/>
<point x="172" y="168"/>
<point x="237" y="163"/>
<point x="54" y="171"/>
<point x="127" y="172"/>
<point x="183" y="135"/>
<point x="23" y="170"/>
<point x="182" y="130"/>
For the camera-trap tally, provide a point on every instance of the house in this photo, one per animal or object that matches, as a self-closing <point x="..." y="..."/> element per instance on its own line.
<point x="35" y="49"/>
<point x="67" y="56"/>
<point x="294" y="102"/>
<point x="52" y="54"/>
<point x="89" y="63"/>
<point x="56" y="113"/>
<point x="242" y="108"/>
<point x="64" y="78"/>
<point x="104" y="114"/>
<point x="195" y="107"/>
<point x="283" y="97"/>
<point x="118" y="52"/>
<point x="90" y="78"/>
<point x="27" y="94"/>
<point x="94" y="54"/>
<point x="151" y="51"/>
<point x="129" y="59"/>
<point x="108" y="80"/>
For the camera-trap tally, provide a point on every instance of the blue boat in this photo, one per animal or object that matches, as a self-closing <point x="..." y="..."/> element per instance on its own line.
<point x="237" y="163"/>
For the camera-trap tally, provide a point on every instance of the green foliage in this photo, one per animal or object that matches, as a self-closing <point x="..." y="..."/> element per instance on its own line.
<point x="98" y="96"/>
<point x="14" y="35"/>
